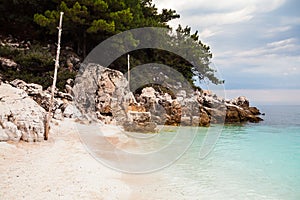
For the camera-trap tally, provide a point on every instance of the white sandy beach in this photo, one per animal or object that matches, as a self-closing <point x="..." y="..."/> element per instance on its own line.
<point x="61" y="168"/>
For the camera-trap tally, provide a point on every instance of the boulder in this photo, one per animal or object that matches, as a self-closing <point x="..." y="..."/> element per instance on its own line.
<point x="43" y="97"/>
<point x="237" y="114"/>
<point x="242" y="102"/>
<point x="204" y="118"/>
<point x="7" y="63"/>
<point x="139" y="117"/>
<point x="217" y="115"/>
<point x="232" y="115"/>
<point x="11" y="131"/>
<point x="3" y="135"/>
<point x="173" y="113"/>
<point x="185" y="121"/>
<point x="18" y="84"/>
<point x="20" y="116"/>
<point x="58" y="114"/>
<point x="33" y="89"/>
<point x="71" y="111"/>
<point x="254" y="111"/>
<point x="148" y="92"/>
<point x="103" y="103"/>
<point x="195" y="120"/>
<point x="63" y="95"/>
<point x="101" y="90"/>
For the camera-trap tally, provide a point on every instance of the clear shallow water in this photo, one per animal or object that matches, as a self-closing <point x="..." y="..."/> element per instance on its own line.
<point x="254" y="161"/>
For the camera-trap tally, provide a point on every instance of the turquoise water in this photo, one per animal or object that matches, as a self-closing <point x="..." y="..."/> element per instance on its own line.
<point x="253" y="161"/>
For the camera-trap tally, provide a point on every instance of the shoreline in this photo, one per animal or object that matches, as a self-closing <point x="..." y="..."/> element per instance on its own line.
<point x="59" y="169"/>
<point x="62" y="168"/>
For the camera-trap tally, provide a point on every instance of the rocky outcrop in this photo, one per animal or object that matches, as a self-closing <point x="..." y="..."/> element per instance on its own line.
<point x="239" y="110"/>
<point x="102" y="93"/>
<point x="199" y="109"/>
<point x="15" y="43"/>
<point x="21" y="118"/>
<point x="63" y="106"/>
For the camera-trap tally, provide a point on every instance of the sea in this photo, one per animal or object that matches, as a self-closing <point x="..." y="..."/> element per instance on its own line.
<point x="249" y="161"/>
<point x="245" y="161"/>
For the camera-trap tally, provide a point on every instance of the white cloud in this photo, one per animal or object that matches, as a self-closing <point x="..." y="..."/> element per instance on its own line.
<point x="265" y="65"/>
<point x="282" y="43"/>
<point x="274" y="59"/>
<point x="271" y="32"/>
<point x="267" y="97"/>
<point x="227" y="12"/>
<point x="209" y="32"/>
<point x="274" y="66"/>
<point x="272" y="48"/>
<point x="217" y="19"/>
<point x="290" y="20"/>
<point x="246" y="37"/>
<point x="216" y="5"/>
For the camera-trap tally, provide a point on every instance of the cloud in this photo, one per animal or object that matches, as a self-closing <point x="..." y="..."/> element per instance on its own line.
<point x="272" y="48"/>
<point x="267" y="97"/>
<point x="255" y="43"/>
<point x="290" y="20"/>
<point x="271" y="32"/>
<point x="271" y="65"/>
<point x="282" y="43"/>
<point x="216" y="13"/>
<point x="266" y="66"/>
<point x="217" y="19"/>
<point x="209" y="32"/>
<point x="216" y="5"/>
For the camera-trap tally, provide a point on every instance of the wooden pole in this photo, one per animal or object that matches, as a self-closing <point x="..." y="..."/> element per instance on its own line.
<point x="128" y="71"/>
<point x="49" y="115"/>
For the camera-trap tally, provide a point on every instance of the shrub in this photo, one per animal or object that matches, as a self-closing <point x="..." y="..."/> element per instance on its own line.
<point x="35" y="59"/>
<point x="8" y="52"/>
<point x="36" y="65"/>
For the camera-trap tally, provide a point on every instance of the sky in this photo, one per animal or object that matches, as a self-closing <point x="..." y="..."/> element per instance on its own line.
<point x="255" y="44"/>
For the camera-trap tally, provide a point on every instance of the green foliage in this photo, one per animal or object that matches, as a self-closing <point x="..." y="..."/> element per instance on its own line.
<point x="43" y="79"/>
<point x="16" y="16"/>
<point x="86" y="23"/>
<point x="85" y="18"/>
<point x="35" y="65"/>
<point x="62" y="76"/>
<point x="188" y="55"/>
<point x="101" y="25"/>
<point x="8" y="52"/>
<point x="36" y="59"/>
<point x="198" y="54"/>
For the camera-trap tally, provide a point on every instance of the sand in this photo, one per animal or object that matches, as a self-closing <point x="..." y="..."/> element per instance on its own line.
<point x="61" y="168"/>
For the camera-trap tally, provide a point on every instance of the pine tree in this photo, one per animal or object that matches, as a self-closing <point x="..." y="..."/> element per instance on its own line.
<point x="86" y="18"/>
